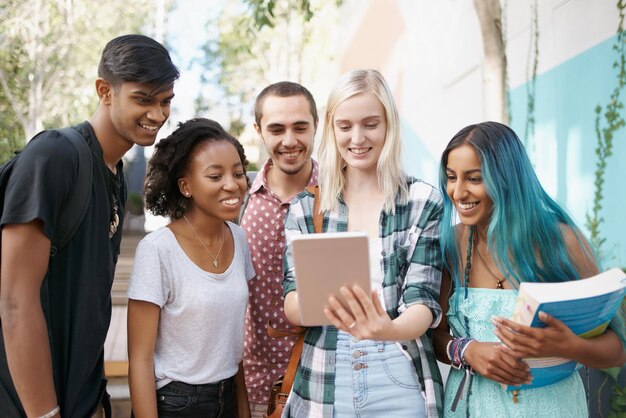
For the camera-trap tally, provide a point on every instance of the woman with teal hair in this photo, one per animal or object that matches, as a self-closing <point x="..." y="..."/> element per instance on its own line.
<point x="511" y="231"/>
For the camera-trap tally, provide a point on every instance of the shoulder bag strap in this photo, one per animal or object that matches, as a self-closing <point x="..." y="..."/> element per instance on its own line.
<point x="318" y="217"/>
<point x="290" y="373"/>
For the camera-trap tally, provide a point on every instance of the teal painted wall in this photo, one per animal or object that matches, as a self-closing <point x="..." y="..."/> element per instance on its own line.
<point x="563" y="147"/>
<point x="417" y="159"/>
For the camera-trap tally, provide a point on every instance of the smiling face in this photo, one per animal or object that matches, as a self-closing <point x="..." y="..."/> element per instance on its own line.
<point x="360" y="127"/>
<point x="137" y="112"/>
<point x="287" y="129"/>
<point x="215" y="180"/>
<point x="466" y="189"/>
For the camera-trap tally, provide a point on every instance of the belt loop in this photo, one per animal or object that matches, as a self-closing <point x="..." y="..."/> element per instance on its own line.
<point x="381" y="346"/>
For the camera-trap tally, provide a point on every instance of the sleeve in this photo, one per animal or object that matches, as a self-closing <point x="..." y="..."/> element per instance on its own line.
<point x="41" y="181"/>
<point x="245" y="246"/>
<point x="148" y="280"/>
<point x="299" y="220"/>
<point x="422" y="281"/>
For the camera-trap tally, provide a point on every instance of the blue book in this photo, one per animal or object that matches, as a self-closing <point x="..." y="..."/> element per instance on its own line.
<point x="585" y="306"/>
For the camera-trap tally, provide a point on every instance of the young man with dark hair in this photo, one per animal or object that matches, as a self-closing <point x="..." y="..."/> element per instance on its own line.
<point x="55" y="303"/>
<point x="286" y="120"/>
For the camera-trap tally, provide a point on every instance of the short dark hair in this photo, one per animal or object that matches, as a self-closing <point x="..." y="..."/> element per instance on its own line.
<point x="137" y="58"/>
<point x="170" y="162"/>
<point x="284" y="89"/>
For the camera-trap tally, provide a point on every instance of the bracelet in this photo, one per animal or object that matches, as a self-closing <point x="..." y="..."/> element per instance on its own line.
<point x="455" y="351"/>
<point x="463" y="351"/>
<point x="448" y="349"/>
<point x="52" y="413"/>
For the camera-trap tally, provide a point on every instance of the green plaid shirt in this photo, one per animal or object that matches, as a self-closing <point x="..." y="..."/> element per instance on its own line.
<point x="411" y="233"/>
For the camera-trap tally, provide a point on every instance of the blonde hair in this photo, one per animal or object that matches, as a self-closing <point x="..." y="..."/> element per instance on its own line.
<point x="391" y="177"/>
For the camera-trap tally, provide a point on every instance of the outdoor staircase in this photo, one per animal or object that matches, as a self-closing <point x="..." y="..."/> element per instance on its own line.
<point x="116" y="356"/>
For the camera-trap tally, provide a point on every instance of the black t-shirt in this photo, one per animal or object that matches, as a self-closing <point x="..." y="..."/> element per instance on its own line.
<point x="76" y="292"/>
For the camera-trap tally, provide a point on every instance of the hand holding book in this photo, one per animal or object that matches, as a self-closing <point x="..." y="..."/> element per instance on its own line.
<point x="556" y="339"/>
<point x="551" y="321"/>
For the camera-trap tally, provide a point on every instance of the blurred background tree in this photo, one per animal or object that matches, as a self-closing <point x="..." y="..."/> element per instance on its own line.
<point x="49" y="53"/>
<point x="264" y="41"/>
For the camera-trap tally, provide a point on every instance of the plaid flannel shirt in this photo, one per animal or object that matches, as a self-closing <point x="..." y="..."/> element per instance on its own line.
<point x="412" y="232"/>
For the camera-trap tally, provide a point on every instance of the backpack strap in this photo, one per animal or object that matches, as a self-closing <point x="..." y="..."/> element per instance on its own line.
<point x="76" y="206"/>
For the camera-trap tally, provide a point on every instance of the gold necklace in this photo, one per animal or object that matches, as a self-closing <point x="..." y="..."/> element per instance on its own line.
<point x="204" y="245"/>
<point x="498" y="281"/>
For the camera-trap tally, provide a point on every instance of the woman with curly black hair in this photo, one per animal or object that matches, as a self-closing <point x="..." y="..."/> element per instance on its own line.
<point x="188" y="291"/>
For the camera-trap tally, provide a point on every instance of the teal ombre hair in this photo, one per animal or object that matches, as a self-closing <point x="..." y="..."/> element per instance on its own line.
<point x="524" y="233"/>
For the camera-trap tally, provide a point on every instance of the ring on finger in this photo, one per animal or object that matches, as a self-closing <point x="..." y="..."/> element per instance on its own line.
<point x="352" y="325"/>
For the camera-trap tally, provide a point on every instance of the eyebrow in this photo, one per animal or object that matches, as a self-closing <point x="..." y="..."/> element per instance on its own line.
<point x="473" y="170"/>
<point x="239" y="164"/>
<point x="144" y="94"/>
<point x="362" y="119"/>
<point x="282" y="125"/>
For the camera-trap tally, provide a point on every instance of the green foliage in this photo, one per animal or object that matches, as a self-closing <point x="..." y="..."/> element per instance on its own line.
<point x="252" y="43"/>
<point x="618" y="402"/>
<point x="49" y="53"/>
<point x="263" y="12"/>
<point x="531" y="86"/>
<point x="507" y="89"/>
<point x="134" y="204"/>
<point x="613" y="120"/>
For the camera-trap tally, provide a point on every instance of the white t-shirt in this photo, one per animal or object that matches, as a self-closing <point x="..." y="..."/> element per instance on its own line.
<point x="201" y="325"/>
<point x="376" y="270"/>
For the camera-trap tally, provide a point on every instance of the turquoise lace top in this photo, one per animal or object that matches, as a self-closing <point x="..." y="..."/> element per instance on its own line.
<point x="487" y="398"/>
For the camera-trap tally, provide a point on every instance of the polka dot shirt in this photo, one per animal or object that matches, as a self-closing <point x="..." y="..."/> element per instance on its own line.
<point x="266" y="358"/>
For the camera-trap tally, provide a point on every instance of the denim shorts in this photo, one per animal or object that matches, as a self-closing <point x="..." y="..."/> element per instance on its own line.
<point x="211" y="400"/>
<point x="375" y="379"/>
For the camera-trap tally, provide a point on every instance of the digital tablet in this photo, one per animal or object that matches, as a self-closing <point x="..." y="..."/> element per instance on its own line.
<point x="323" y="264"/>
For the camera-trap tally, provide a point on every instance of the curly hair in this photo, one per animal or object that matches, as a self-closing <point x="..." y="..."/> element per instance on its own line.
<point x="170" y="162"/>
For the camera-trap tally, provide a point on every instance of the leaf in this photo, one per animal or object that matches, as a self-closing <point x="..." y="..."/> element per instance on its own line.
<point x="613" y="372"/>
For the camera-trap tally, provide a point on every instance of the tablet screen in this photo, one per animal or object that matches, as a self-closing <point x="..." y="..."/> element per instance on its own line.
<point x="324" y="263"/>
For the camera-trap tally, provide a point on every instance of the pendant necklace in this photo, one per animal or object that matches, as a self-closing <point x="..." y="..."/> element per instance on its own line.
<point x="115" y="218"/>
<point x="498" y="281"/>
<point x="204" y="245"/>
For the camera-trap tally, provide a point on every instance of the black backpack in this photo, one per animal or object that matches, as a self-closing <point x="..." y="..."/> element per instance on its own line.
<point x="76" y="206"/>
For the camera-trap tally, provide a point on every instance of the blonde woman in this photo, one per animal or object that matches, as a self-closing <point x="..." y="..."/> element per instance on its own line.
<point x="377" y="359"/>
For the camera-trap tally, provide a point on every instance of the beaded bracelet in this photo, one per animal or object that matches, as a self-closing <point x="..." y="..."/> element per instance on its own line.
<point x="455" y="351"/>
<point x="52" y="413"/>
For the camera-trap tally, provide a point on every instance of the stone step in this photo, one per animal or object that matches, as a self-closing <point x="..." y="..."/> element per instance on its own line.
<point x="124" y="267"/>
<point x="120" y="397"/>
